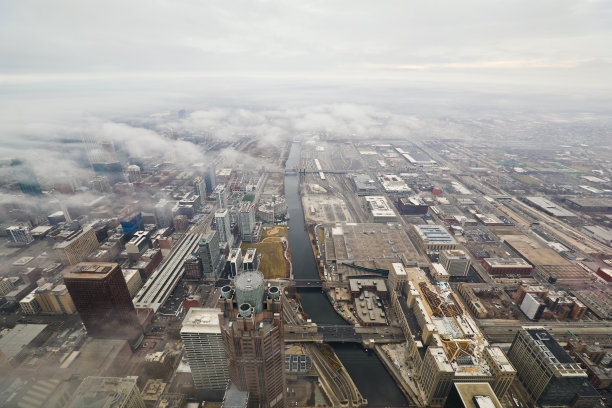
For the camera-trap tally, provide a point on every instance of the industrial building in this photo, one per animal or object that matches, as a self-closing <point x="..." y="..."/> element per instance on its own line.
<point x="393" y="183"/>
<point x="590" y="204"/>
<point x="380" y="209"/>
<point x="507" y="266"/>
<point x="252" y="330"/>
<point x="549" y="207"/>
<point x="363" y="183"/>
<point x="352" y="249"/>
<point x="548" y="373"/>
<point x="434" y="238"/>
<point x="601" y="234"/>
<point x="203" y="345"/>
<point x="412" y="205"/>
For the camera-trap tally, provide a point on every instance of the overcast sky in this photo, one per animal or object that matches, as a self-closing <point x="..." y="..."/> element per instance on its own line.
<point x="68" y="58"/>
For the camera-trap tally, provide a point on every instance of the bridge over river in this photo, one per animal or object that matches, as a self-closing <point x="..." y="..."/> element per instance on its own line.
<point x="342" y="334"/>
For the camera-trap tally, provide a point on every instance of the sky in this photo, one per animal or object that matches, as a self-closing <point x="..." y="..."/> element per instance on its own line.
<point x="277" y="67"/>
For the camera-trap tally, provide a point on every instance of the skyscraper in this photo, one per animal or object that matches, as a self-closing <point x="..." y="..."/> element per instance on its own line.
<point x="246" y="221"/>
<point x="210" y="178"/>
<point x="103" y="301"/>
<point x="203" y="344"/>
<point x="548" y="372"/>
<point x="222" y="218"/>
<point x="209" y="252"/>
<point x="199" y="187"/>
<point x="221" y="196"/>
<point x="252" y="329"/>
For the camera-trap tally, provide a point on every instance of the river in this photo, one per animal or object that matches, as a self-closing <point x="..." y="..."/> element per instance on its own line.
<point x="365" y="368"/>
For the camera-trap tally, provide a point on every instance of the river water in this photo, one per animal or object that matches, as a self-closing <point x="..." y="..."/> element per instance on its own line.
<point x="366" y="370"/>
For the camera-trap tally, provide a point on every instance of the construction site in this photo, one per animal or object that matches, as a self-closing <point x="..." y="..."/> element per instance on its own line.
<point x="447" y="343"/>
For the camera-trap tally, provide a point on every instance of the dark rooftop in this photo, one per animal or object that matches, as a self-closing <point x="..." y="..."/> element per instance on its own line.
<point x="551" y="344"/>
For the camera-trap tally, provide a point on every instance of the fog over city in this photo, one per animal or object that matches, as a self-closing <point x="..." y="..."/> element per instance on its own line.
<point x="373" y="198"/>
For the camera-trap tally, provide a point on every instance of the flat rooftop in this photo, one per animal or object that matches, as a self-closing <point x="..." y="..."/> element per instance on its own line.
<point x="201" y="320"/>
<point x="507" y="262"/>
<point x="91" y="270"/>
<point x="368" y="243"/>
<point x="104" y="392"/>
<point x="19" y="337"/>
<point x="549" y="207"/>
<point x="556" y="353"/>
<point x="368" y="310"/>
<point x="477" y="395"/>
<point x="379" y="207"/>
<point x="434" y="234"/>
<point x="533" y="251"/>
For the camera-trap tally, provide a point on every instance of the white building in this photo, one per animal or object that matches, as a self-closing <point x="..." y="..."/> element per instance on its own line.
<point x="19" y="234"/>
<point x="221" y="196"/>
<point x="380" y="209"/>
<point x="203" y="344"/>
<point x="249" y="229"/>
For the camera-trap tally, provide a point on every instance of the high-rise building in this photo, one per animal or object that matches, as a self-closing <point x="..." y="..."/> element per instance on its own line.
<point x="209" y="252"/>
<point x="210" y="178"/>
<point x="131" y="223"/>
<point x="472" y="395"/>
<point x="108" y="392"/>
<point x="193" y="267"/>
<point x="203" y="344"/>
<point x="436" y="376"/>
<point x="133" y="173"/>
<point x="19" y="234"/>
<point x="455" y="261"/>
<point x="102" y="299"/>
<point x="548" y="372"/>
<point x="249" y="230"/>
<point x="235" y="261"/>
<point x="199" y="187"/>
<point x="223" y="220"/>
<point x="76" y="246"/>
<point x="221" y="196"/>
<point x="55" y="299"/>
<point x="252" y="329"/>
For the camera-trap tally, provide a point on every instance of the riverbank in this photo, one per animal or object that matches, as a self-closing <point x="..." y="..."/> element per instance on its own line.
<point x="399" y="379"/>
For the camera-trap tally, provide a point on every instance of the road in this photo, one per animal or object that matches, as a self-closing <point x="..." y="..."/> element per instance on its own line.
<point x="503" y="331"/>
<point x="341" y="388"/>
